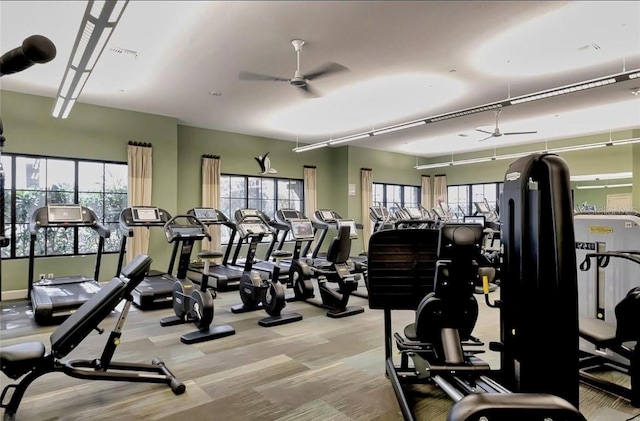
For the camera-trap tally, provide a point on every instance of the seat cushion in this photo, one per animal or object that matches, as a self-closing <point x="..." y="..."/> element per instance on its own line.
<point x="16" y="360"/>
<point x="597" y="331"/>
<point x="410" y="332"/>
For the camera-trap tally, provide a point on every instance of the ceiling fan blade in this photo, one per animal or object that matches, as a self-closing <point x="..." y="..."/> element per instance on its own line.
<point x="309" y="91"/>
<point x="324" y="70"/>
<point x="512" y="133"/>
<point x="484" y="131"/>
<point x="258" y="76"/>
<point x="488" y="137"/>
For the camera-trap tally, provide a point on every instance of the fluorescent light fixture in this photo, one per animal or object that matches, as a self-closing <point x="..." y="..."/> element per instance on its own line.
<point x="311" y="147"/>
<point x="604" y="186"/>
<point x="472" y="161"/>
<point x="99" y="20"/>
<point x="625" y="142"/>
<point x="594" y="177"/>
<point x="349" y="139"/>
<point x="562" y="90"/>
<point x="579" y="147"/>
<point x="400" y="127"/>
<point x="521" y="154"/>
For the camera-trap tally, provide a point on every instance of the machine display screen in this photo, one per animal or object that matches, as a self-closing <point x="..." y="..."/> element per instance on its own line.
<point x="254" y="228"/>
<point x="249" y="212"/>
<point x="326" y="215"/>
<point x="482" y="207"/>
<point x="380" y="212"/>
<point x="65" y="213"/>
<point x="290" y="214"/>
<point x="145" y="214"/>
<point x="414" y="213"/>
<point x="474" y="220"/>
<point x="206" y="214"/>
<point x="439" y="212"/>
<point x="301" y="229"/>
<point x="352" y="227"/>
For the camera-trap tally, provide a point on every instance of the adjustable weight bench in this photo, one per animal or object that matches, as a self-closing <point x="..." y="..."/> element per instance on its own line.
<point x="31" y="361"/>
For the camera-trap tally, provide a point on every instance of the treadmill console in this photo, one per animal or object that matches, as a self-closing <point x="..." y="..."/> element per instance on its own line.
<point x="301" y="229"/>
<point x="326" y="215"/>
<point x="482" y="208"/>
<point x="379" y="212"/>
<point x="253" y="227"/>
<point x="145" y="214"/>
<point x="439" y="213"/>
<point x="247" y="212"/>
<point x="353" y="233"/>
<point x="414" y="213"/>
<point x="206" y="215"/>
<point x="289" y="214"/>
<point x="478" y="219"/>
<point x="64" y="214"/>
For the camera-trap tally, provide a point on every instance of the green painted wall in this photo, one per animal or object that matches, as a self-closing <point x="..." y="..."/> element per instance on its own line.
<point x="95" y="133"/>
<point x="597" y="197"/>
<point x="636" y="177"/>
<point x="387" y="167"/>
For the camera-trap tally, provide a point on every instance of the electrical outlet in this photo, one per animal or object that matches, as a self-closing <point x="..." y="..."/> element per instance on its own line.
<point x="50" y="275"/>
<point x="42" y="276"/>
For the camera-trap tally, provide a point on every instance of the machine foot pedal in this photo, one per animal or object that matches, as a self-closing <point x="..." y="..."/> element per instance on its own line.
<point x="349" y="311"/>
<point x="241" y="308"/>
<point x="282" y="319"/>
<point x="171" y="321"/>
<point x="214" y="332"/>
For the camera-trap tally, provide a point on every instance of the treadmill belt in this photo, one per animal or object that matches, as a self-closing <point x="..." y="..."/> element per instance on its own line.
<point x="68" y="294"/>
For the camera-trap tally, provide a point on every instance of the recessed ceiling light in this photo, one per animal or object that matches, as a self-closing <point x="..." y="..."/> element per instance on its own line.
<point x="463" y="135"/>
<point x="452" y="71"/>
<point x="635" y="91"/>
<point x="214" y="93"/>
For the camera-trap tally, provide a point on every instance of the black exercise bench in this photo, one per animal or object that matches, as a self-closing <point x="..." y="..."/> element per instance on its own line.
<point x="31" y="361"/>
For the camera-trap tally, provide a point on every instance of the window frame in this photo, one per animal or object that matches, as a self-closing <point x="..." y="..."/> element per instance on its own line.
<point x="403" y="201"/>
<point x="13" y="223"/>
<point x="276" y="200"/>
<point x="469" y="195"/>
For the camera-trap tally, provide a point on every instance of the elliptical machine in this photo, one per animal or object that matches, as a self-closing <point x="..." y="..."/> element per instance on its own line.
<point x="255" y="292"/>
<point x="192" y="305"/>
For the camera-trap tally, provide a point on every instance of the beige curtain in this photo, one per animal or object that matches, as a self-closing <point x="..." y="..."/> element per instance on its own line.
<point x="366" y="187"/>
<point x="310" y="191"/>
<point x="439" y="190"/>
<point x="211" y="196"/>
<point x="140" y="167"/>
<point x="426" y="193"/>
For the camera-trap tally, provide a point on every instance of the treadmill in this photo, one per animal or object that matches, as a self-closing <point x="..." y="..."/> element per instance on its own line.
<point x="156" y="290"/>
<point x="222" y="277"/>
<point x="55" y="299"/>
<point x="263" y="266"/>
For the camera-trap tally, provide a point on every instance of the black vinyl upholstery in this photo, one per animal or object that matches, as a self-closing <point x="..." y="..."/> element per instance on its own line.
<point x="340" y="247"/>
<point x="401" y="267"/>
<point x="77" y="326"/>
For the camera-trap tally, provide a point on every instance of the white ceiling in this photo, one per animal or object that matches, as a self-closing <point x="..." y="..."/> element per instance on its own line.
<point x="407" y="60"/>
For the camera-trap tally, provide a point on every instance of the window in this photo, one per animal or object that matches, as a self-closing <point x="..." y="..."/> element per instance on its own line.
<point x="393" y="196"/>
<point x="460" y="199"/>
<point x="266" y="194"/>
<point x="36" y="181"/>
<point x="6" y="168"/>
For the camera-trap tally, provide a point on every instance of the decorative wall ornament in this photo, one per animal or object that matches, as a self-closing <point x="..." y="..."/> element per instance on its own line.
<point x="265" y="165"/>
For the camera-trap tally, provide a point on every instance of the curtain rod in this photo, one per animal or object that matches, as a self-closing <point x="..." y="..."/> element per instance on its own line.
<point x="141" y="144"/>
<point x="309" y="166"/>
<point x="366" y="169"/>
<point x="211" y="156"/>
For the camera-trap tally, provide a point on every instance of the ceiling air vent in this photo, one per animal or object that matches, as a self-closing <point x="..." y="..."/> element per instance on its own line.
<point x="124" y="52"/>
<point x="590" y="47"/>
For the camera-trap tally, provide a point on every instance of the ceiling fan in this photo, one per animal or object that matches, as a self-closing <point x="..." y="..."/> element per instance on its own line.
<point x="497" y="133"/>
<point x="298" y="80"/>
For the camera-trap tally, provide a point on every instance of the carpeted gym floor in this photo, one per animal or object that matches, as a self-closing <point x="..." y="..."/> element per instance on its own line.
<point x="315" y="369"/>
